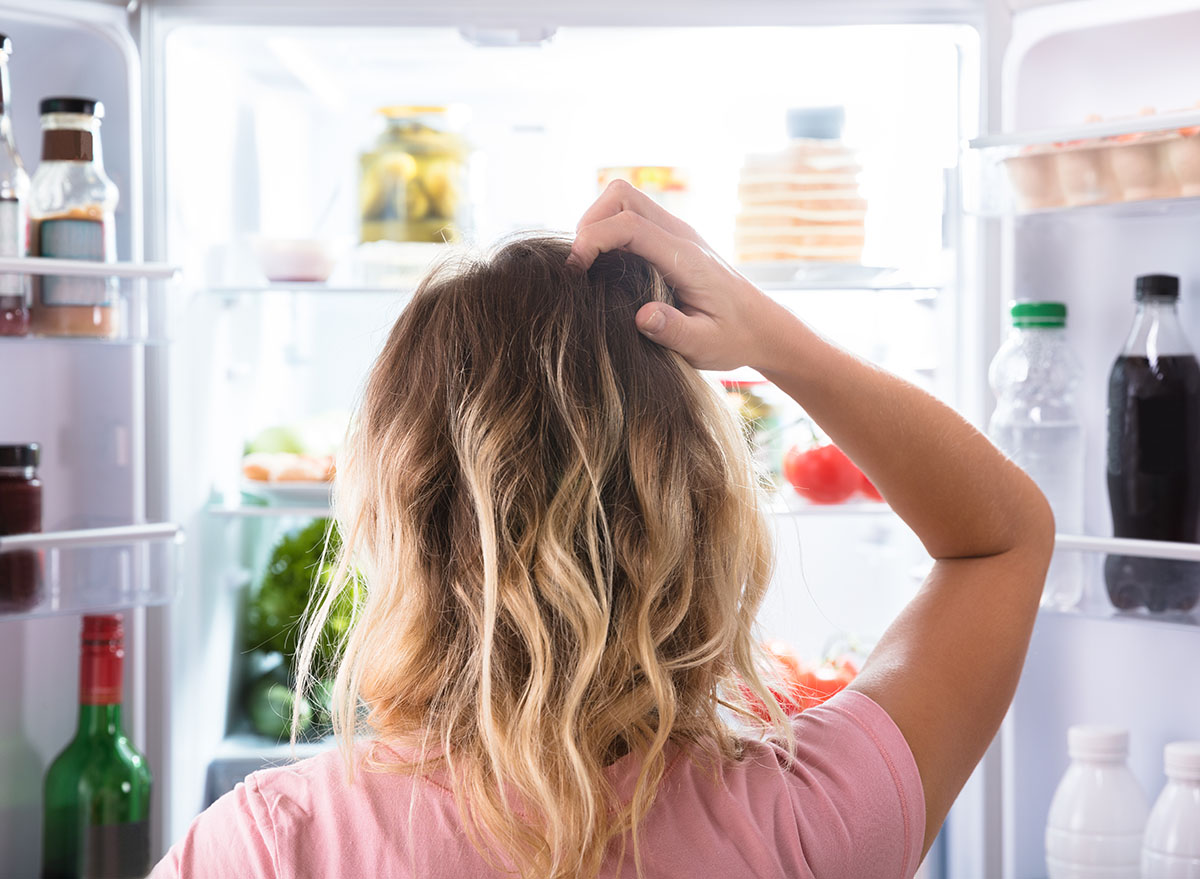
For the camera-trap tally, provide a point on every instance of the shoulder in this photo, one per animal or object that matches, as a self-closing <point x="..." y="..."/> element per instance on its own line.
<point x="847" y="802"/>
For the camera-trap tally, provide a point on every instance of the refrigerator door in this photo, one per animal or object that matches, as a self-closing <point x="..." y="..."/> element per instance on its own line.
<point x="1064" y="64"/>
<point x="84" y="403"/>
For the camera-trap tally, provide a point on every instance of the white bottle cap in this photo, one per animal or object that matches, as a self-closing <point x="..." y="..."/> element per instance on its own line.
<point x="1097" y="743"/>
<point x="1182" y="760"/>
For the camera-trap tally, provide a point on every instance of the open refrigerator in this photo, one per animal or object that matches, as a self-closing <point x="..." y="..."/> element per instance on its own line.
<point x="233" y="125"/>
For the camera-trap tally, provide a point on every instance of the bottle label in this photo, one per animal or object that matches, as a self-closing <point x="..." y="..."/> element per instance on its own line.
<point x="119" y="851"/>
<point x="12" y="244"/>
<point x="73" y="238"/>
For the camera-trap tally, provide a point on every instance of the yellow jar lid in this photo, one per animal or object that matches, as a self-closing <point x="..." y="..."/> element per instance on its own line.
<point x="399" y="111"/>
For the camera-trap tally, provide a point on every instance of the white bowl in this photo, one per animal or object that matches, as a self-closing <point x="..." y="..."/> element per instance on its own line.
<point x="296" y="259"/>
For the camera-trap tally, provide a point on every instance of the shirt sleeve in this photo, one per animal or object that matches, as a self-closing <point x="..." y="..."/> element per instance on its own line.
<point x="857" y="794"/>
<point x="233" y="837"/>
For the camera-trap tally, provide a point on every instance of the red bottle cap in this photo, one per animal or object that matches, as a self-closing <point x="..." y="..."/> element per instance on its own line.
<point x="106" y="627"/>
<point x="101" y="659"/>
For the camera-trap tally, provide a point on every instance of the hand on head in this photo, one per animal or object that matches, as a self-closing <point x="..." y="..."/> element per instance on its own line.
<point x="721" y="316"/>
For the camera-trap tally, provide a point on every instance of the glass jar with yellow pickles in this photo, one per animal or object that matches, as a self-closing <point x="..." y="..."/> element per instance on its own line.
<point x="412" y="182"/>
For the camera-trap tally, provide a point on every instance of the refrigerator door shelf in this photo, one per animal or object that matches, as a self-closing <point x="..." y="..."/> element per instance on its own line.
<point x="120" y="290"/>
<point x="89" y="570"/>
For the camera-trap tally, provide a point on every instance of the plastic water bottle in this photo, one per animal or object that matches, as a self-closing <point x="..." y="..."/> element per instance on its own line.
<point x="1034" y="376"/>
<point x="1098" y="812"/>
<point x="1172" y="846"/>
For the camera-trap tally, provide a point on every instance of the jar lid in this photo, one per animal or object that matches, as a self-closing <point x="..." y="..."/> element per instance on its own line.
<point x="1156" y="287"/>
<point x="1182" y="760"/>
<point x="86" y="106"/>
<point x="1097" y="743"/>
<point x="20" y="455"/>
<point x="819" y="123"/>
<point x="1038" y="314"/>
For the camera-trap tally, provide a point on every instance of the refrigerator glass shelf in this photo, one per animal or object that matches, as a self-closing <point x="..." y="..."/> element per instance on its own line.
<point x="306" y="288"/>
<point x="786" y="503"/>
<point x="107" y="303"/>
<point x="92" y="570"/>
<point x="80" y="341"/>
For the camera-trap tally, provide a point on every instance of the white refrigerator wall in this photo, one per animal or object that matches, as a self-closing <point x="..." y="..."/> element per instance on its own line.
<point x="1065" y="64"/>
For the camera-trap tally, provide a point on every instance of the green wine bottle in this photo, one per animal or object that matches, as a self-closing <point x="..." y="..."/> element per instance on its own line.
<point x="97" y="806"/>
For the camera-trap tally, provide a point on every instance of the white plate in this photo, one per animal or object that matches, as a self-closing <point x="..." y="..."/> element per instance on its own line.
<point x="289" y="493"/>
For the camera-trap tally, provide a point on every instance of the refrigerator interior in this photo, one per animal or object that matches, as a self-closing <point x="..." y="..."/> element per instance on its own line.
<point x="1130" y="670"/>
<point x="263" y="132"/>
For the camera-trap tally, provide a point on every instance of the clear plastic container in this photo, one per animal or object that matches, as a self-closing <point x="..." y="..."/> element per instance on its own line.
<point x="71" y="210"/>
<point x="1035" y="376"/>
<point x="1172" y="844"/>
<point x="1098" y="814"/>
<point x="1139" y="158"/>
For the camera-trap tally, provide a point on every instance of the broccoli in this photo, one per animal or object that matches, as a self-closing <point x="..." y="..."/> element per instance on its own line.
<point x="294" y="572"/>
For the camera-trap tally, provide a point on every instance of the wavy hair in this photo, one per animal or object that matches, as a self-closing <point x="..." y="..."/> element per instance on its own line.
<point x="562" y="552"/>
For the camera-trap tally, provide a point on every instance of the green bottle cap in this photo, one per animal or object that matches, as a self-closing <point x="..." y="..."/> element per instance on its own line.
<point x="1039" y="314"/>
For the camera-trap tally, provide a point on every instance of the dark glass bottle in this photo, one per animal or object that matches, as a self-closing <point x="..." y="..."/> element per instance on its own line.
<point x="1154" y="453"/>
<point x="97" y="798"/>
<point x="20" y="513"/>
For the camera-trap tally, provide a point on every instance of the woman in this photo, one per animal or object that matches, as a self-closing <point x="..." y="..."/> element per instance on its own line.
<point x="557" y="525"/>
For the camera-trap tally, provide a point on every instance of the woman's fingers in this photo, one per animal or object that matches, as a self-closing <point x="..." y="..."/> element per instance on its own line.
<point x="671" y="255"/>
<point x="621" y="196"/>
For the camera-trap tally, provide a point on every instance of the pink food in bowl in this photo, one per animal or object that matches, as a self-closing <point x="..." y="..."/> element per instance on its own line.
<point x="295" y="259"/>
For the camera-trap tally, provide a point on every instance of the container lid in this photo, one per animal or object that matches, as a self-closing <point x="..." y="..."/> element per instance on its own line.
<point x="1097" y="743"/>
<point x="1156" y="287"/>
<point x="86" y="106"/>
<point x="822" y="123"/>
<point x="1038" y="314"/>
<point x="20" y="455"/>
<point x="402" y="111"/>
<point x="103" y="627"/>
<point x="5" y="44"/>
<point x="1182" y="760"/>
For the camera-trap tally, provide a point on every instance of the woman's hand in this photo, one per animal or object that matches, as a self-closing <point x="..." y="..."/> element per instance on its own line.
<point x="723" y="321"/>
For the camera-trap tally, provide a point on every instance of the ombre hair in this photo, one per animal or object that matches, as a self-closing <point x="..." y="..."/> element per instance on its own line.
<point x="554" y="532"/>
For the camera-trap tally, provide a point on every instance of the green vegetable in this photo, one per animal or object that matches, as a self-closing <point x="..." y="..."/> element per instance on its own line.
<point x="276" y="439"/>
<point x="270" y="705"/>
<point x="294" y="571"/>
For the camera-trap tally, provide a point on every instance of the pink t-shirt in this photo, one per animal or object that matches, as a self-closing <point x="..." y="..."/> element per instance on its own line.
<point x="850" y="806"/>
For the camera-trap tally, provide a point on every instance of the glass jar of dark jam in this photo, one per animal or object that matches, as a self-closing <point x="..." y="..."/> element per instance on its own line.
<point x="20" y="513"/>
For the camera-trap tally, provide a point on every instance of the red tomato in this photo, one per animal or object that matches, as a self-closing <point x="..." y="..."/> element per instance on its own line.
<point x="867" y="487"/>
<point x="805" y="684"/>
<point x="824" y="475"/>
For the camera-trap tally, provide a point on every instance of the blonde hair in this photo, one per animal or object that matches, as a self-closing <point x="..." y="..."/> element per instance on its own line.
<point x="560" y="553"/>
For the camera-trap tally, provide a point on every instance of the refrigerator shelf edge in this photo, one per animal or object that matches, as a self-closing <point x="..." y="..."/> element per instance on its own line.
<point x="1149" y="549"/>
<point x="1150" y="124"/>
<point x="36" y="265"/>
<point x="93" y="537"/>
<point x="92" y="570"/>
<point x="250" y="511"/>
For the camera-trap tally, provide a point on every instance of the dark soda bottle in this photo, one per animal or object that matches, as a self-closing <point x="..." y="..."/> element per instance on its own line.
<point x="1154" y="453"/>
